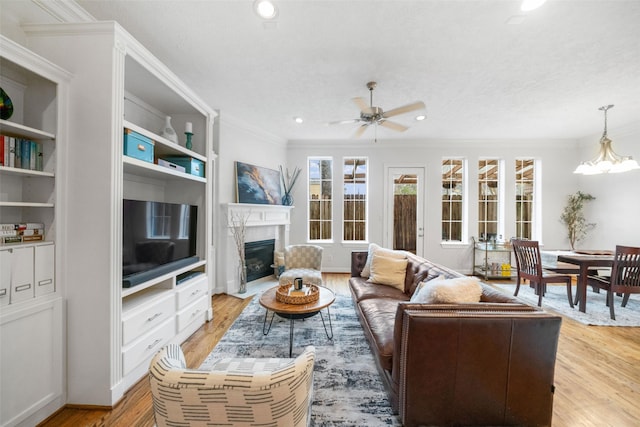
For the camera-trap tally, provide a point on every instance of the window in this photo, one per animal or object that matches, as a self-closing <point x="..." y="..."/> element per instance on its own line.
<point x="525" y="197"/>
<point x="320" y="198"/>
<point x="488" y="199"/>
<point x="355" y="199"/>
<point x="452" y="199"/>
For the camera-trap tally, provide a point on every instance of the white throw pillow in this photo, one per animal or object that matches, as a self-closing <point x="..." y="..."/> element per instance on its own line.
<point x="449" y="291"/>
<point x="374" y="248"/>
<point x="388" y="271"/>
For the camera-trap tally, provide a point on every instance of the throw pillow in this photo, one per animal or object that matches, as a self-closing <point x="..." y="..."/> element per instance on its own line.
<point x="388" y="271"/>
<point x="373" y="248"/>
<point x="450" y="291"/>
<point x="414" y="297"/>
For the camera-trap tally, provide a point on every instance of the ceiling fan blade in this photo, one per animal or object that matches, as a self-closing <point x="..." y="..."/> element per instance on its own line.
<point x="393" y="125"/>
<point x="343" y="122"/>
<point x="404" y="109"/>
<point x="362" y="105"/>
<point x="358" y="133"/>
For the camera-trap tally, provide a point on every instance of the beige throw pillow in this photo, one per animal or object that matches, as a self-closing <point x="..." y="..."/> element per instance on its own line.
<point x="449" y="291"/>
<point x="374" y="248"/>
<point x="388" y="271"/>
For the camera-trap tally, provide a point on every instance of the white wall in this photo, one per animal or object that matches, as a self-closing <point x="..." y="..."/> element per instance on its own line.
<point x="237" y="141"/>
<point x="557" y="180"/>
<point x="616" y="209"/>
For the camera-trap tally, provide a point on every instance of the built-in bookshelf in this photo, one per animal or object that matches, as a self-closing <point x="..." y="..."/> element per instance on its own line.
<point x="119" y="85"/>
<point x="31" y="246"/>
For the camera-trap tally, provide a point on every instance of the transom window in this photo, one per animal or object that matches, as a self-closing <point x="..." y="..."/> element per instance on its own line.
<point x="452" y="199"/>
<point x="320" y="197"/>
<point x="525" y="197"/>
<point x="354" y="226"/>
<point x="488" y="199"/>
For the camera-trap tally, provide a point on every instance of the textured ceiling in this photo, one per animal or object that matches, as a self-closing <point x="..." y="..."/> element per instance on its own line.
<point x="479" y="76"/>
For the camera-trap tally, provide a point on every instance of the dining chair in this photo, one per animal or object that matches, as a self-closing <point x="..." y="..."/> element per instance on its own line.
<point x="529" y="266"/>
<point x="624" y="279"/>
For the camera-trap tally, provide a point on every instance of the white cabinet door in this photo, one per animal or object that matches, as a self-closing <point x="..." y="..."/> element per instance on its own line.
<point x="44" y="271"/>
<point x="5" y="276"/>
<point x="22" y="275"/>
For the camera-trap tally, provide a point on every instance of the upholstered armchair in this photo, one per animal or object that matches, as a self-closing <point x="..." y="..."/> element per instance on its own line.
<point x="302" y="261"/>
<point x="234" y="392"/>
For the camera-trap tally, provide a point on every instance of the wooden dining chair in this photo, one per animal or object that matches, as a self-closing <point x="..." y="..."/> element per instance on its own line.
<point x="529" y="266"/>
<point x="624" y="279"/>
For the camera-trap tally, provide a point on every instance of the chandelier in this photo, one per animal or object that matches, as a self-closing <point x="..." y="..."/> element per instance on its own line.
<point x="607" y="160"/>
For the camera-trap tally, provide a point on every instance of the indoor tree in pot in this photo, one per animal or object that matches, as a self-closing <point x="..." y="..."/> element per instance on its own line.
<point x="573" y="217"/>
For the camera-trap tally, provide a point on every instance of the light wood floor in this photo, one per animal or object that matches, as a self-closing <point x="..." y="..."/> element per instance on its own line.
<point x="597" y="373"/>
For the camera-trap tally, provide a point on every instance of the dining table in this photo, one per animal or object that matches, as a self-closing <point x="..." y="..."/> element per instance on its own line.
<point x="586" y="261"/>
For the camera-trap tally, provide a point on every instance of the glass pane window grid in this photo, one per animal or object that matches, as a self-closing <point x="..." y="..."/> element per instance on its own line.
<point x="488" y="198"/>
<point x="320" y="191"/>
<point x="524" y="172"/>
<point x="452" y="199"/>
<point x="355" y="199"/>
<point x="159" y="224"/>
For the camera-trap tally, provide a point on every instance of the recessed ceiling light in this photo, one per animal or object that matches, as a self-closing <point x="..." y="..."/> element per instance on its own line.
<point x="421" y="117"/>
<point x="298" y="119"/>
<point x="265" y="9"/>
<point x="528" y="5"/>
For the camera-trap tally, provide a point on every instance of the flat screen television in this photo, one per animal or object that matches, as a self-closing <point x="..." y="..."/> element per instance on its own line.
<point x="157" y="238"/>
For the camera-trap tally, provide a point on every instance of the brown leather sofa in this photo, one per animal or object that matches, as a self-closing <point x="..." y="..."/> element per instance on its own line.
<point x="488" y="363"/>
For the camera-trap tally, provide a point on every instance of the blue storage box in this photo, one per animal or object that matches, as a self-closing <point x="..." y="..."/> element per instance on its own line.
<point x="190" y="165"/>
<point x="138" y="146"/>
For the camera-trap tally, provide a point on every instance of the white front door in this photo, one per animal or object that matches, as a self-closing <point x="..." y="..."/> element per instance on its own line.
<point x="404" y="216"/>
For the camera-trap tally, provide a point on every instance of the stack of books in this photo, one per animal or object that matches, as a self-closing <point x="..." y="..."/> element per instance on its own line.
<point x="21" y="233"/>
<point x="20" y="153"/>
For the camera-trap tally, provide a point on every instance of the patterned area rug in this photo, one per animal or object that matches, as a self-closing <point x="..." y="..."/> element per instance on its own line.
<point x="597" y="311"/>
<point x="348" y="390"/>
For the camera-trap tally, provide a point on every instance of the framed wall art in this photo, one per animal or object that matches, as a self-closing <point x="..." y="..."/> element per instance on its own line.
<point x="258" y="185"/>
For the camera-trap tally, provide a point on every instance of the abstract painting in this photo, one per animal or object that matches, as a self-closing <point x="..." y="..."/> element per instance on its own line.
<point x="255" y="184"/>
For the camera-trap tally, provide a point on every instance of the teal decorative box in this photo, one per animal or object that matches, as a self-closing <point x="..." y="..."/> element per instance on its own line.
<point x="190" y="165"/>
<point x="138" y="146"/>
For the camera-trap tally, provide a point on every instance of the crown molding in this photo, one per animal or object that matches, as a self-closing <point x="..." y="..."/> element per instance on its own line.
<point x="228" y="120"/>
<point x="64" y="10"/>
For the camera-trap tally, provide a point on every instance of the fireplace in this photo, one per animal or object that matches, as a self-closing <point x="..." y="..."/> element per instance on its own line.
<point x="259" y="258"/>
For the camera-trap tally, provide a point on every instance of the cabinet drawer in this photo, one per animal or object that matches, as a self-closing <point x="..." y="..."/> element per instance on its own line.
<point x="5" y="277"/>
<point x="142" y="350"/>
<point x="192" y="292"/>
<point x="194" y="312"/>
<point x="44" y="270"/>
<point x="136" y="324"/>
<point x="22" y="288"/>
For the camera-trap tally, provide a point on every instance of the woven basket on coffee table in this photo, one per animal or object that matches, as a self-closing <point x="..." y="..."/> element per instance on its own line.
<point x="283" y="295"/>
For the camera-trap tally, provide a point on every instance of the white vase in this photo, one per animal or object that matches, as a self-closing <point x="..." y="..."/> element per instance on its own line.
<point x="168" y="132"/>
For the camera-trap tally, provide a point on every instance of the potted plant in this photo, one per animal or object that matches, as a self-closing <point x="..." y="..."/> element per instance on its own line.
<point x="288" y="181"/>
<point x="573" y="217"/>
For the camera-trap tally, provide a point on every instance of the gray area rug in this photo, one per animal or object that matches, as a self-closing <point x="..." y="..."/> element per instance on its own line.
<point x="348" y="390"/>
<point x="597" y="311"/>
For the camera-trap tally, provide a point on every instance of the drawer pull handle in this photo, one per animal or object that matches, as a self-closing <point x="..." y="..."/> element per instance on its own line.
<point x="3" y="292"/>
<point x="153" y="344"/>
<point x="45" y="282"/>
<point x="196" y="292"/>
<point x="23" y="287"/>
<point x="142" y="147"/>
<point x="195" y="313"/>
<point x="154" y="317"/>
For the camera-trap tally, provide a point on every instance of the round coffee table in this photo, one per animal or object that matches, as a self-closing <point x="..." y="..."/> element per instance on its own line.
<point x="296" y="311"/>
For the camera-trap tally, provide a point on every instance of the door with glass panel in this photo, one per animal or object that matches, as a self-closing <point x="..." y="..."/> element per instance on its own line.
<point x="405" y="213"/>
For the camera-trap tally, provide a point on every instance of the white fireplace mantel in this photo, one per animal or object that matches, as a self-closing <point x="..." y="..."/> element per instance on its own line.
<point x="259" y="215"/>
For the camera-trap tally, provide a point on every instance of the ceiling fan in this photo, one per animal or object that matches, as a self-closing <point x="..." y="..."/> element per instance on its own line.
<point x="371" y="115"/>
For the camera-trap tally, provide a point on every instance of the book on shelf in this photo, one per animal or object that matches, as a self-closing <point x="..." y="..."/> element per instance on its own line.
<point x="21" y="153"/>
<point x="4" y="154"/>
<point x="11" y="239"/>
<point x="36" y="238"/>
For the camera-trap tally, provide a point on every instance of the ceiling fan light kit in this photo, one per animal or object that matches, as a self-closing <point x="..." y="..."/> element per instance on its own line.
<point x="373" y="115"/>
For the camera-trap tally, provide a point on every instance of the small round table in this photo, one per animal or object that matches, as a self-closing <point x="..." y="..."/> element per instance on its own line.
<point x="296" y="311"/>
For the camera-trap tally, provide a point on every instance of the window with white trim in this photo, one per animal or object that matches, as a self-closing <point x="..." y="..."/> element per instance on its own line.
<point x="354" y="222"/>
<point x="525" y="197"/>
<point x="488" y="199"/>
<point x="452" y="199"/>
<point x="320" y="198"/>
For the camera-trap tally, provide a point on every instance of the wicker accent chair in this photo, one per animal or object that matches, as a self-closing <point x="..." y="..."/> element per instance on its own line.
<point x="529" y="265"/>
<point x="235" y="392"/>
<point x="302" y="261"/>
<point x="624" y="279"/>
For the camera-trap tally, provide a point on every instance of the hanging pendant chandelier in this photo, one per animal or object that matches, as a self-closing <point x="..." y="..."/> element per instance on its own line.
<point x="607" y="160"/>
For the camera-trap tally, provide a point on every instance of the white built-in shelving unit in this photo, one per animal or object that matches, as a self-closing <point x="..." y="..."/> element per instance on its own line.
<point x="113" y="332"/>
<point x="32" y="346"/>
